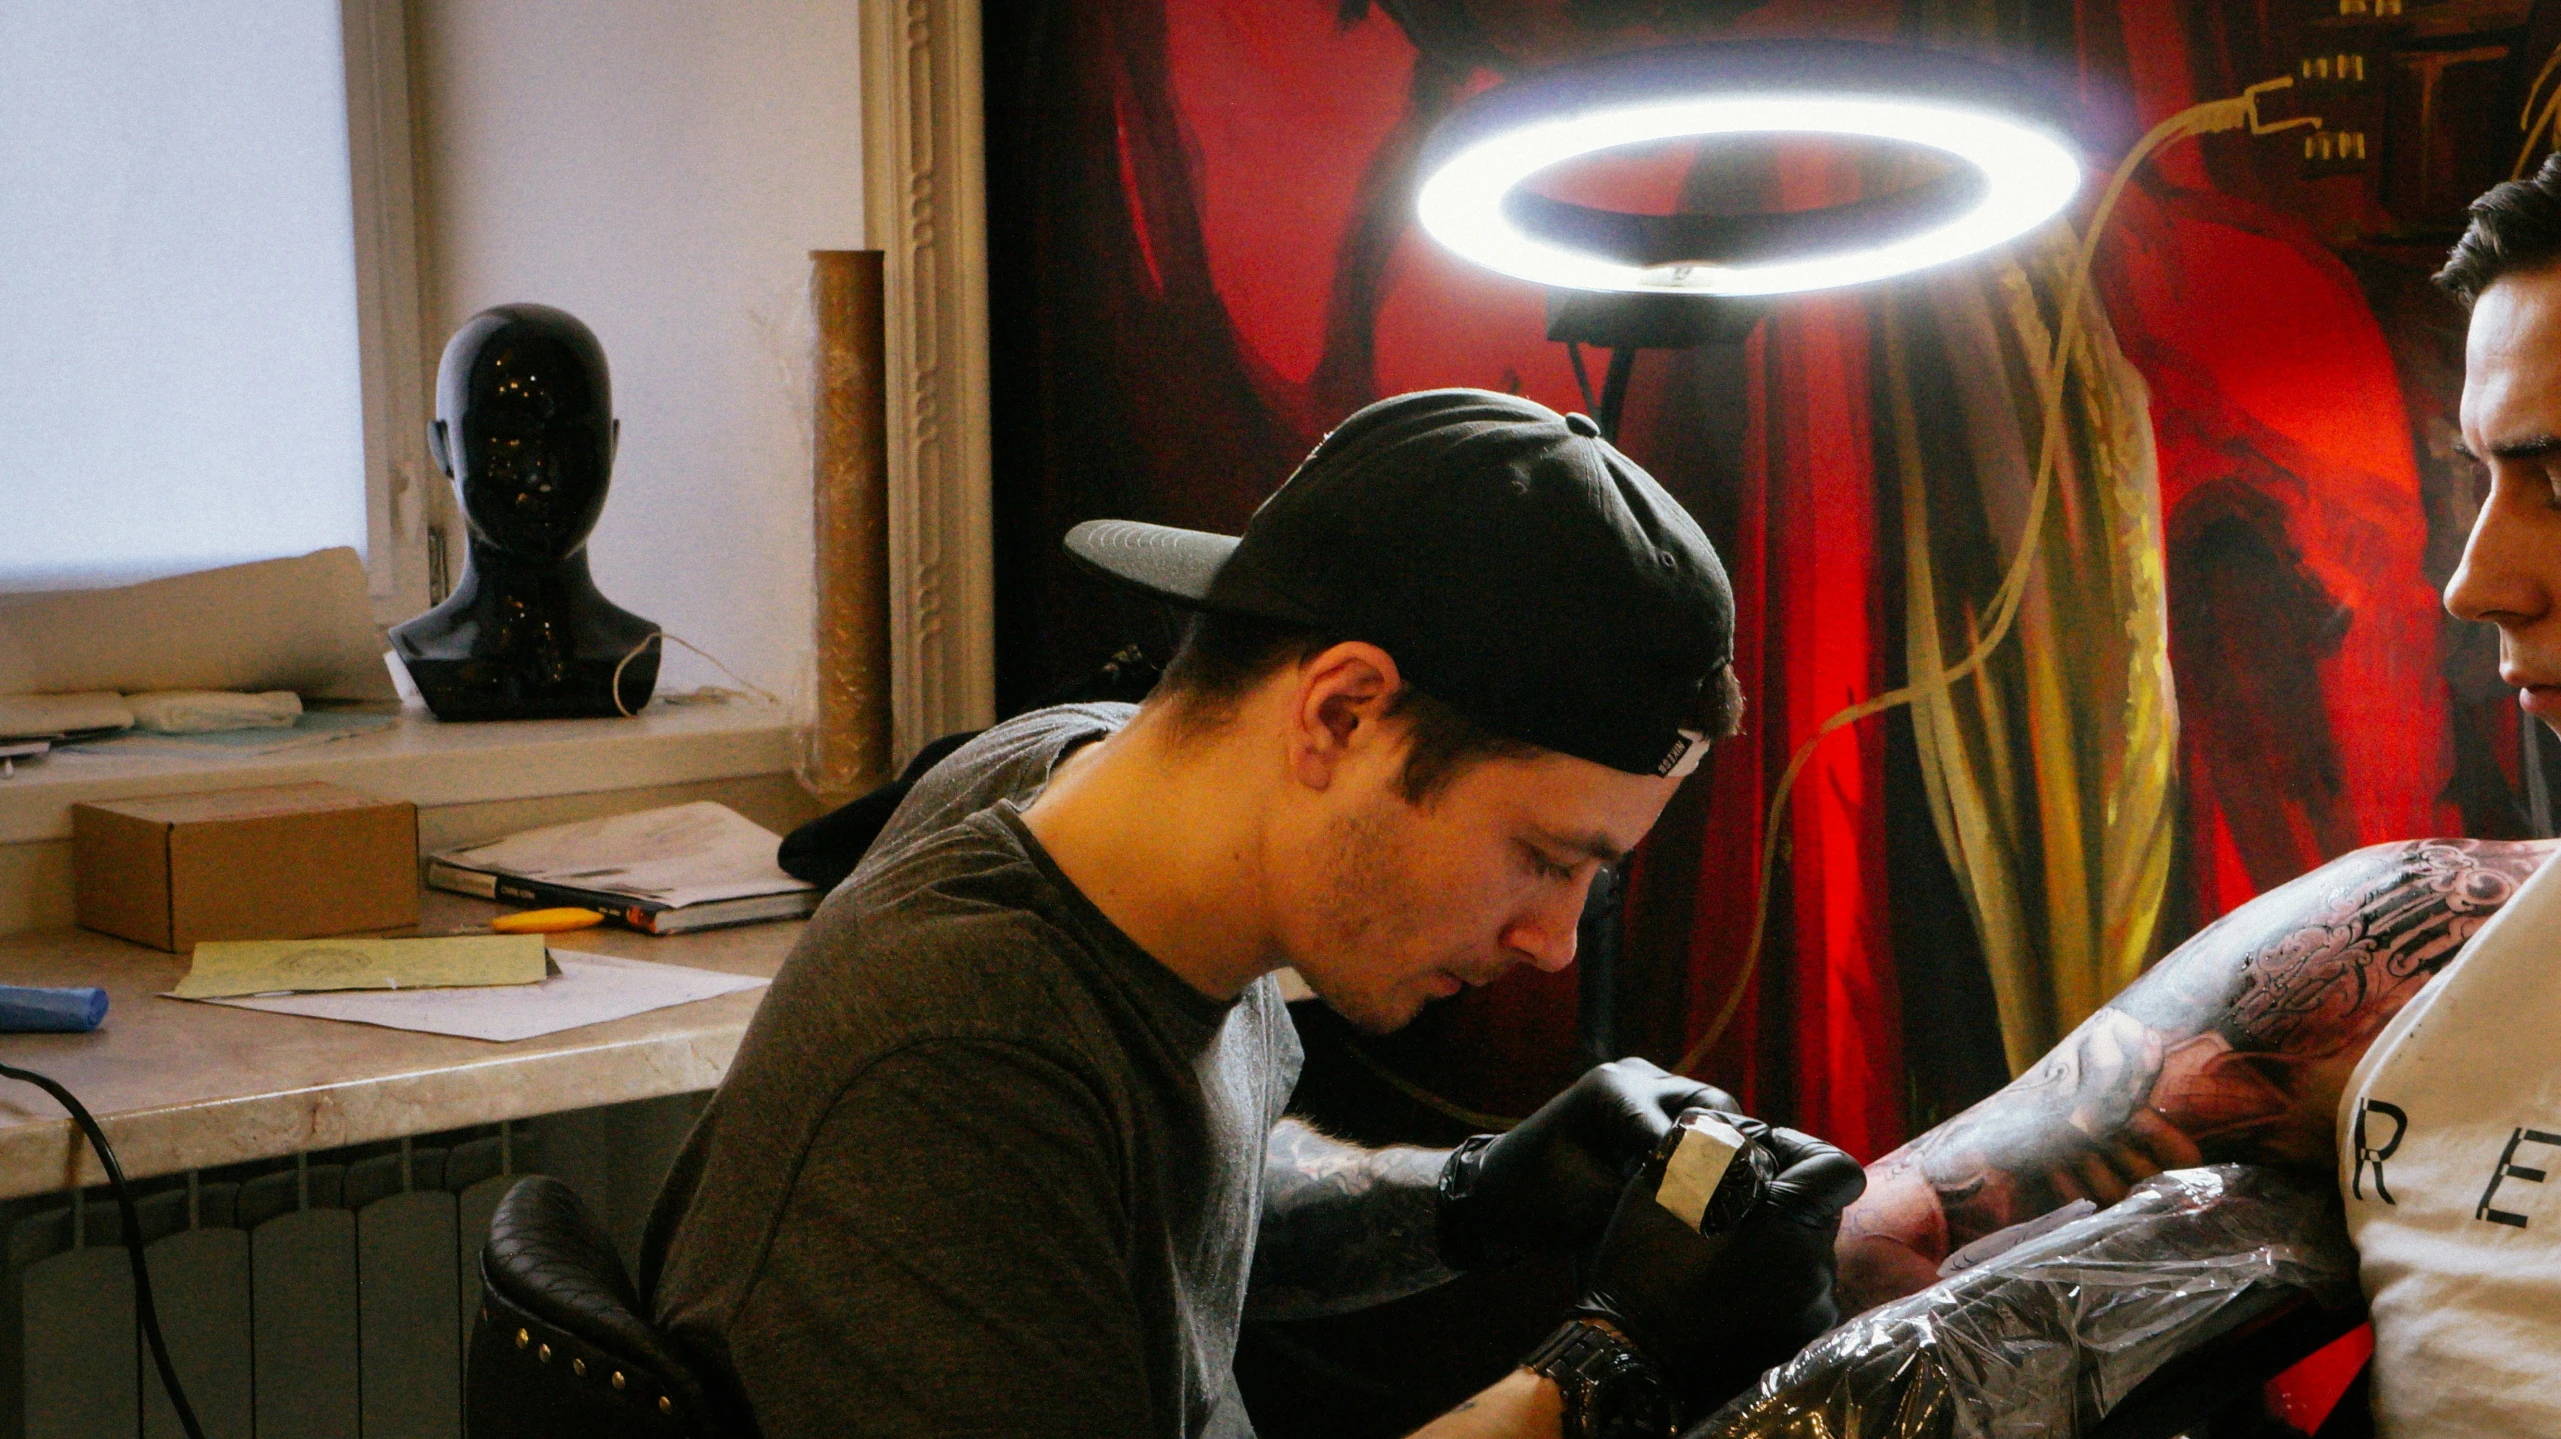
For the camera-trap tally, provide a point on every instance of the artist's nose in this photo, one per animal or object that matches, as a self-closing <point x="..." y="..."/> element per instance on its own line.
<point x="1544" y="935"/>
<point x="2500" y="580"/>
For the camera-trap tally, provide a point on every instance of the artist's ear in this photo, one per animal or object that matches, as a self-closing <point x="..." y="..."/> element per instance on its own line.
<point x="1341" y="698"/>
<point x="613" y="441"/>
<point x="436" y="447"/>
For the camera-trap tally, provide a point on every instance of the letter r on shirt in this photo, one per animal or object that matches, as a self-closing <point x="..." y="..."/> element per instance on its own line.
<point x="2506" y="1169"/>
<point x="2369" y="1153"/>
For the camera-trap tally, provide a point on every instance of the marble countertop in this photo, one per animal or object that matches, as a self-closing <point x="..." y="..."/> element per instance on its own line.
<point x="181" y="1086"/>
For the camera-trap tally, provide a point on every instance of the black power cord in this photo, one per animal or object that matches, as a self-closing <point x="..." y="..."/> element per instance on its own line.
<point x="142" y="1303"/>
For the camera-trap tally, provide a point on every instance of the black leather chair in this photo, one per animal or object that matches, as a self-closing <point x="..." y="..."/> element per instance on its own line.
<point x="562" y="1349"/>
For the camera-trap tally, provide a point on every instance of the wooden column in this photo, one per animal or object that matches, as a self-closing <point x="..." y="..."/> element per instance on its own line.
<point x="849" y="747"/>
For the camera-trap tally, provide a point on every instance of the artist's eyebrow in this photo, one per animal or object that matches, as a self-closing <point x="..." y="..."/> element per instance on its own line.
<point x="1593" y="846"/>
<point x="2532" y="447"/>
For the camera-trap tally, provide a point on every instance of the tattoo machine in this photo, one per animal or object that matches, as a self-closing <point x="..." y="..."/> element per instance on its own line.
<point x="1713" y="1173"/>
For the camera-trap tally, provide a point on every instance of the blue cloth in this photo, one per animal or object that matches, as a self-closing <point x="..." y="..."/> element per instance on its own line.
<point x="51" y="1011"/>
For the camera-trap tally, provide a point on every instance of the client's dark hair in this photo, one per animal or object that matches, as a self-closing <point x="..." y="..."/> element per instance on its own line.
<point x="1222" y="657"/>
<point x="2516" y="226"/>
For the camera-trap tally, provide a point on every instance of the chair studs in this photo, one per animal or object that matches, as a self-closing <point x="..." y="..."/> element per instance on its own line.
<point x="544" y="1353"/>
<point x="666" y="1405"/>
<point x="523" y="1338"/>
<point x="578" y="1367"/>
<point x="617" y="1379"/>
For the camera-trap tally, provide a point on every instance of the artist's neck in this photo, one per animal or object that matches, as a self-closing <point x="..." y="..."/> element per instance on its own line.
<point x="1165" y="834"/>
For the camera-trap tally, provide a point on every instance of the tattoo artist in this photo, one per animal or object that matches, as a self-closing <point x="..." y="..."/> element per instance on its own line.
<point x="1004" y="1152"/>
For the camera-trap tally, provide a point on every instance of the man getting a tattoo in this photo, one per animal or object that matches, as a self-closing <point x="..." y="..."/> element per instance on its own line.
<point x="2392" y="1014"/>
<point x="1004" y="1150"/>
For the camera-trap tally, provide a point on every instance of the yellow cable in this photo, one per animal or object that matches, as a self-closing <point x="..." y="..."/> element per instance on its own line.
<point x="2536" y="123"/>
<point x="2213" y="116"/>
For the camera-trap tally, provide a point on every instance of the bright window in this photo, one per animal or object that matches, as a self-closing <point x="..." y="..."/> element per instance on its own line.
<point x="179" y="366"/>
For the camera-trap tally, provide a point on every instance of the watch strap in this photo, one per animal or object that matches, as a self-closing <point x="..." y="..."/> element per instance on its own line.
<point x="1611" y="1391"/>
<point x="1462" y="1248"/>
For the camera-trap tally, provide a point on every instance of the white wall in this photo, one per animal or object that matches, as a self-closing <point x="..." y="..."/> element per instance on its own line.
<point x="661" y="169"/>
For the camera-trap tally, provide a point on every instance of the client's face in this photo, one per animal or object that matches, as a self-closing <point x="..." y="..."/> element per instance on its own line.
<point x="2511" y="571"/>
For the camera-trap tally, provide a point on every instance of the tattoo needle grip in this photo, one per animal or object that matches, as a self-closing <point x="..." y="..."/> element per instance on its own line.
<point x="1713" y="1173"/>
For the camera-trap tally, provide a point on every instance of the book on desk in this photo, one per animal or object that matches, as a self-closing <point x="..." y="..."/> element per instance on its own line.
<point x="674" y="870"/>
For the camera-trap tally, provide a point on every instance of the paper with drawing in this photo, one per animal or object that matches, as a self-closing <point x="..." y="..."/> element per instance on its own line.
<point x="590" y="989"/>
<point x="224" y="968"/>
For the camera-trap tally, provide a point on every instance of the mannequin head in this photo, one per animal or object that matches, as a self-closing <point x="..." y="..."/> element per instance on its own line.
<point x="525" y="425"/>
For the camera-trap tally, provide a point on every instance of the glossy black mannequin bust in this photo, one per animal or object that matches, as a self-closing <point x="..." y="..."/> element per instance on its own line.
<point x="525" y="425"/>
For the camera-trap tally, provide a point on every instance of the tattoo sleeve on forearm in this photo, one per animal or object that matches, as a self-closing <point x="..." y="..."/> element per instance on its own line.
<point x="1343" y="1227"/>
<point x="2234" y="1048"/>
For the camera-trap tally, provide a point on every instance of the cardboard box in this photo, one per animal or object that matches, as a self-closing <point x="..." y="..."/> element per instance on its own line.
<point x="291" y="862"/>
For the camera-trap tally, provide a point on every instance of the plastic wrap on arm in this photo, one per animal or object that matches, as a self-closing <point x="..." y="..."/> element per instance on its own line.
<point x="2048" y="1337"/>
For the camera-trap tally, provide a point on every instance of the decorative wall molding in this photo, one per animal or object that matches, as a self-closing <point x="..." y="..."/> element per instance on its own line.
<point x="924" y="205"/>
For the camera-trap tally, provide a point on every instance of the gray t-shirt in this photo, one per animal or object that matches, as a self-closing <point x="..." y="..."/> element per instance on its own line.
<point x="982" y="1165"/>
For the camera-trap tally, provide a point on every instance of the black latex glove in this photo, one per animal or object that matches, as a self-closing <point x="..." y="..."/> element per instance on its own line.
<point x="1714" y="1311"/>
<point x="1547" y="1186"/>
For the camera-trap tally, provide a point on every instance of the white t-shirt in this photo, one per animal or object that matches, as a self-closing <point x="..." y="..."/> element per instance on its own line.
<point x="2450" y="1161"/>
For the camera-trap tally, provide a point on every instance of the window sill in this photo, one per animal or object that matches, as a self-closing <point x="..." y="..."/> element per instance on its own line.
<point x="431" y="764"/>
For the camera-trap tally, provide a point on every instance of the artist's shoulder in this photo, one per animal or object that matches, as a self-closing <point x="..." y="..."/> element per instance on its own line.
<point x="968" y="953"/>
<point x="1013" y="756"/>
<point x="1009" y="761"/>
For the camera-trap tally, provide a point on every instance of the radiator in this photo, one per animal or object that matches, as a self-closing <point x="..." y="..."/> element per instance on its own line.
<point x="326" y="1296"/>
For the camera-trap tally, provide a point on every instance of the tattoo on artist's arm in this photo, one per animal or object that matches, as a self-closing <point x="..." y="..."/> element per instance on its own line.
<point x="1343" y="1227"/>
<point x="2234" y="1048"/>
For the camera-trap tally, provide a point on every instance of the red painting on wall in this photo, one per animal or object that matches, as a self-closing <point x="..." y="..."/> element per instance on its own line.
<point x="1203" y="256"/>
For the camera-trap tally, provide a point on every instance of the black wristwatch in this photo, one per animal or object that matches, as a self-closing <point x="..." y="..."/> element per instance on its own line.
<point x="1462" y="1248"/>
<point x="1611" y="1391"/>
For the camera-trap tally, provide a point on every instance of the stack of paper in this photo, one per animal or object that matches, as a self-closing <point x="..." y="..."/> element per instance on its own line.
<point x="664" y="871"/>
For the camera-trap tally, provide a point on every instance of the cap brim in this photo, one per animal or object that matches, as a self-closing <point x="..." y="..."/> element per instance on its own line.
<point x="1159" y="560"/>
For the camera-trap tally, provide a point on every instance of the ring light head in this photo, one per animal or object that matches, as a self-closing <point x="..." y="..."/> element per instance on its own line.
<point x="2012" y="168"/>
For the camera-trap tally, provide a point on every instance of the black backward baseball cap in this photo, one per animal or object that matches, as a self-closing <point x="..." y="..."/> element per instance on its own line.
<point x="1517" y="567"/>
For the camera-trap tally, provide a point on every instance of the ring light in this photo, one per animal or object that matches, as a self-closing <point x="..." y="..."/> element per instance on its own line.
<point x="2014" y="170"/>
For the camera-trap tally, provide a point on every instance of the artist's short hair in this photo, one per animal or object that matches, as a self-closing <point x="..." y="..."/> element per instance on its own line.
<point x="2515" y="227"/>
<point x="1223" y="657"/>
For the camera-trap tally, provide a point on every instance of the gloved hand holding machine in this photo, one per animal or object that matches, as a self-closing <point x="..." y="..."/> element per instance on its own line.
<point x="1712" y="1261"/>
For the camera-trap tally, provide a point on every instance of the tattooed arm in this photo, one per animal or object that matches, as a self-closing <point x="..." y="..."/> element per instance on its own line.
<point x="2234" y="1048"/>
<point x="1343" y="1227"/>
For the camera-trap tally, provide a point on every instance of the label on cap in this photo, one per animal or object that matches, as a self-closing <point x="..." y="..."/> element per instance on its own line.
<point x="1682" y="759"/>
<point x="1698" y="1164"/>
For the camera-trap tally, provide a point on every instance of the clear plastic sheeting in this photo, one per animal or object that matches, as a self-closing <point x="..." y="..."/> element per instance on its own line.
<point x="2048" y="1337"/>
